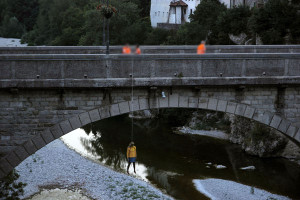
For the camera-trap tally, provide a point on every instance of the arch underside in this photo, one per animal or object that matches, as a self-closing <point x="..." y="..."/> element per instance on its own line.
<point x="15" y="157"/>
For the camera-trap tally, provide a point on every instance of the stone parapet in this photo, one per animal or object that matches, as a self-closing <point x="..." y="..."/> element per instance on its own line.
<point x="161" y="49"/>
<point x="79" y="70"/>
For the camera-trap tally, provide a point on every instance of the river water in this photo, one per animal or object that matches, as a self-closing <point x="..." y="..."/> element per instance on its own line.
<point x="172" y="162"/>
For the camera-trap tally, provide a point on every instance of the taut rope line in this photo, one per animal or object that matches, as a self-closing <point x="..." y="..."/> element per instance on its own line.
<point x="132" y="99"/>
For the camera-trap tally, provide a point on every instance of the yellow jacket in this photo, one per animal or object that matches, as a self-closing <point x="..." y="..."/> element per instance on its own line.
<point x="131" y="152"/>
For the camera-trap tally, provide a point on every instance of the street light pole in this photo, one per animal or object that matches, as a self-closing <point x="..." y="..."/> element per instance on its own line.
<point x="103" y="29"/>
<point x="107" y="37"/>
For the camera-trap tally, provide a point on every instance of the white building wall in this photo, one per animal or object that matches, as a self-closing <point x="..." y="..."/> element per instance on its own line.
<point x="172" y="17"/>
<point x="250" y="3"/>
<point x="159" y="11"/>
<point x="192" y="4"/>
<point x="226" y="2"/>
<point x="178" y="15"/>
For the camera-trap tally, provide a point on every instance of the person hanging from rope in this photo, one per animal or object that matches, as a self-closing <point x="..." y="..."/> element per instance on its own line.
<point x="131" y="155"/>
<point x="201" y="48"/>
<point x="126" y="49"/>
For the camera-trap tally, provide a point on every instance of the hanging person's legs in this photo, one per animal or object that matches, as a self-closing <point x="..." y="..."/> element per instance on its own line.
<point x="134" y="167"/>
<point x="128" y="166"/>
<point x="131" y="160"/>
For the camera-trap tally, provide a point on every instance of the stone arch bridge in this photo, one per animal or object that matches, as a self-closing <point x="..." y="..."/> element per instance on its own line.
<point x="44" y="96"/>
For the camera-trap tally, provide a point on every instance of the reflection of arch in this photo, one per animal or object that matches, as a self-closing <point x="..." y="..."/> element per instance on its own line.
<point x="172" y="101"/>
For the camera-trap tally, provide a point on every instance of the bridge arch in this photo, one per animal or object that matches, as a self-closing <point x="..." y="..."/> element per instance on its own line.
<point x="23" y="151"/>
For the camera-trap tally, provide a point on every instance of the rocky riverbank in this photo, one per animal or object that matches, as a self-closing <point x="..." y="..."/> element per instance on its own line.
<point x="57" y="166"/>
<point x="254" y="138"/>
<point x="260" y="140"/>
<point x="217" y="189"/>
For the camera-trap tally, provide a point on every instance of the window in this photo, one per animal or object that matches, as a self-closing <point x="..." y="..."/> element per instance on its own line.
<point x="184" y="11"/>
<point x="155" y="14"/>
<point x="158" y="13"/>
<point x="163" y="14"/>
<point x="191" y="11"/>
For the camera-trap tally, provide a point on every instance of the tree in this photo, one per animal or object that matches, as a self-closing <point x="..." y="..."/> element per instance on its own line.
<point x="11" y="27"/>
<point x="92" y="28"/>
<point x="157" y="36"/>
<point x="206" y="15"/>
<point x="190" y="33"/>
<point x="71" y="27"/>
<point x="273" y="22"/>
<point x="295" y="26"/>
<point x="25" y="11"/>
<point x="232" y="21"/>
<point x="127" y="15"/>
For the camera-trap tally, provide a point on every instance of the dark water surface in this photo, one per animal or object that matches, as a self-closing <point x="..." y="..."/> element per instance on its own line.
<point x="172" y="161"/>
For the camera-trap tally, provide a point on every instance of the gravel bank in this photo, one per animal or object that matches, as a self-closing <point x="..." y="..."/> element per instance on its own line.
<point x="11" y="42"/>
<point x="57" y="166"/>
<point x="218" y="189"/>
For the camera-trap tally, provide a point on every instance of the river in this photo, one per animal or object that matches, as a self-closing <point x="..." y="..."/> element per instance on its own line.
<point x="172" y="162"/>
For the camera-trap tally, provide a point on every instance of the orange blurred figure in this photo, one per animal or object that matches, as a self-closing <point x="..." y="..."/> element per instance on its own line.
<point x="201" y="48"/>
<point x="126" y="49"/>
<point x="137" y="49"/>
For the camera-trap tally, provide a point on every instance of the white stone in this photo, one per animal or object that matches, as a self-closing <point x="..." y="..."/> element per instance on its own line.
<point x="220" y="167"/>
<point x="248" y="168"/>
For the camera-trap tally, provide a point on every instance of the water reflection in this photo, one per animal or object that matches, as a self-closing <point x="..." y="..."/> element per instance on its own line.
<point x="172" y="161"/>
<point x="87" y="145"/>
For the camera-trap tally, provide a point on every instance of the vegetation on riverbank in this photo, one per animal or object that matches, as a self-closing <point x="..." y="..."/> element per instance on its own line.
<point x="10" y="189"/>
<point x="69" y="22"/>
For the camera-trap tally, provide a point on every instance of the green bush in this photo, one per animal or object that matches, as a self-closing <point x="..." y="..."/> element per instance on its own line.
<point x="9" y="188"/>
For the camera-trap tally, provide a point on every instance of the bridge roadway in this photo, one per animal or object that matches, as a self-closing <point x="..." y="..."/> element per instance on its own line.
<point x="44" y="96"/>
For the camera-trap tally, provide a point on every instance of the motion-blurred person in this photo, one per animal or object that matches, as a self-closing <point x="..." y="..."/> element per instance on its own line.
<point x="126" y="49"/>
<point x="137" y="49"/>
<point x="201" y="48"/>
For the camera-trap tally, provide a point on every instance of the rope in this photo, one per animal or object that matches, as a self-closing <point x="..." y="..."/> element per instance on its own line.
<point x="132" y="100"/>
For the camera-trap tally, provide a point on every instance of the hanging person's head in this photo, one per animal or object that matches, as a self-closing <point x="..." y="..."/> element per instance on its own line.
<point x="131" y="144"/>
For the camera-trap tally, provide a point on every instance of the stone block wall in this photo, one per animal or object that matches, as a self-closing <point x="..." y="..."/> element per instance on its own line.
<point x="27" y="112"/>
<point x="31" y="118"/>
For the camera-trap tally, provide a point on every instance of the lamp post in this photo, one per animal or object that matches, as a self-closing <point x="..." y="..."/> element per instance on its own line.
<point x="107" y="11"/>
<point x="107" y="37"/>
<point x="103" y="29"/>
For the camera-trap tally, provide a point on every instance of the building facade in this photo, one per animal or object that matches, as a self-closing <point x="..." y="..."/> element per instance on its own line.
<point x="171" y="13"/>
<point x="250" y="3"/>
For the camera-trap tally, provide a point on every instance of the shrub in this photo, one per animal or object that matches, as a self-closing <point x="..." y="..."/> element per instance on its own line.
<point x="9" y="188"/>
